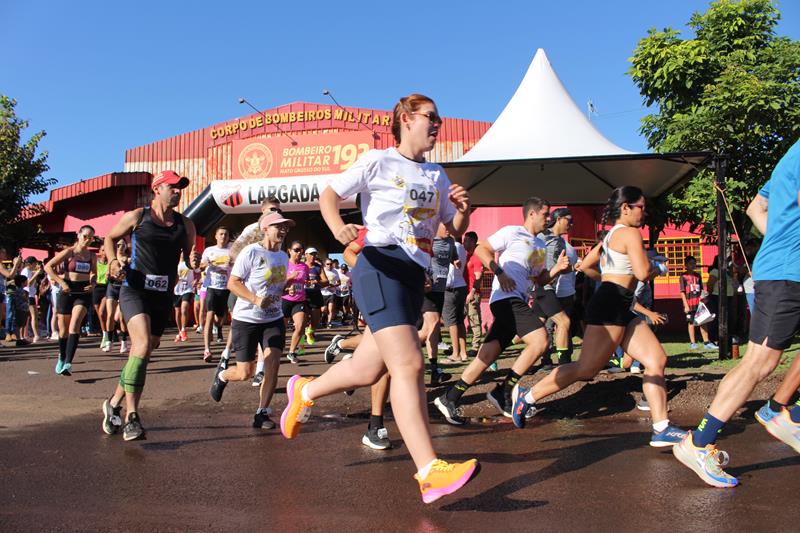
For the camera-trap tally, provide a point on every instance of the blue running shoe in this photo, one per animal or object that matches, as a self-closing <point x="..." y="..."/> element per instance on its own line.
<point x="66" y="370"/>
<point x="493" y="367"/>
<point x="59" y="366"/>
<point x="711" y="346"/>
<point x="521" y="407"/>
<point x="706" y="462"/>
<point x="765" y="414"/>
<point x="782" y="428"/>
<point x="669" y="437"/>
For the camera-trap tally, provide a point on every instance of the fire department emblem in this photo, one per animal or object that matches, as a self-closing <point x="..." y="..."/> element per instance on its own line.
<point x="255" y="161"/>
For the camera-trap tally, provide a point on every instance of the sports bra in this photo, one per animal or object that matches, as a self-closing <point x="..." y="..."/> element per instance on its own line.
<point x="79" y="266"/>
<point x="615" y="262"/>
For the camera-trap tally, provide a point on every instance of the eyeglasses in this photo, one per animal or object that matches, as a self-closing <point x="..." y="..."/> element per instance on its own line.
<point x="430" y="115"/>
<point x="297" y="249"/>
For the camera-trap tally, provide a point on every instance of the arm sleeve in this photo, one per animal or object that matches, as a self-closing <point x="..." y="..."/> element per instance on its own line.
<point x="356" y="178"/>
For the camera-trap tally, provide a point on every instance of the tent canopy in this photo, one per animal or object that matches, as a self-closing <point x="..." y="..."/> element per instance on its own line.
<point x="543" y="145"/>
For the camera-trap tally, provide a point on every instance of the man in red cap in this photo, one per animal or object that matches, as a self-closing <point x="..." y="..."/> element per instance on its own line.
<point x="158" y="235"/>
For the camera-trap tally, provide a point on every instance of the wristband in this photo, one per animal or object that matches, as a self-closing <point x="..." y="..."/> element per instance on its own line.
<point x="497" y="270"/>
<point x="476" y="285"/>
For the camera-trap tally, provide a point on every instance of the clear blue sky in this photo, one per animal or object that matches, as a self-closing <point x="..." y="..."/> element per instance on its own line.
<point x="101" y="77"/>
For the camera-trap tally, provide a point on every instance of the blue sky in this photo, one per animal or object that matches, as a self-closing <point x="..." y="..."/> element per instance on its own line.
<point x="101" y="77"/>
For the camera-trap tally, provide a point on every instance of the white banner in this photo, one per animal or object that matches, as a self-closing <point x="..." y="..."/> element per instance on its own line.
<point x="299" y="193"/>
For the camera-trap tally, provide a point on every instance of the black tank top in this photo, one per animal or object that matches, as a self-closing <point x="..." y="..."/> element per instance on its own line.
<point x="155" y="253"/>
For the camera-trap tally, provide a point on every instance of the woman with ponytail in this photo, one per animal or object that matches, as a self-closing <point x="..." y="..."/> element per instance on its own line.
<point x="610" y="321"/>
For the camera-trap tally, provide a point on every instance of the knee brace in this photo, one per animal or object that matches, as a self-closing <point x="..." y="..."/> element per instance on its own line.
<point x="133" y="374"/>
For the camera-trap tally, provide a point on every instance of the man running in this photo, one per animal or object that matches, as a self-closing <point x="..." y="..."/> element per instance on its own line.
<point x="216" y="261"/>
<point x="158" y="235"/>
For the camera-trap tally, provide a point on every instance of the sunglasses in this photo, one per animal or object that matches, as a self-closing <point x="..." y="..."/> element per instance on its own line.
<point x="640" y="206"/>
<point x="276" y="210"/>
<point x="430" y="115"/>
<point x="297" y="249"/>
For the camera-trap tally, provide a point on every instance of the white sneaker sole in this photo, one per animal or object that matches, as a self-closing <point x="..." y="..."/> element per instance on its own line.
<point x="442" y="409"/>
<point x="687" y="459"/>
<point x="369" y="444"/>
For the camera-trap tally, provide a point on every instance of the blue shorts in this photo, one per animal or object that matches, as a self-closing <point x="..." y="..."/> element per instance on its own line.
<point x="388" y="287"/>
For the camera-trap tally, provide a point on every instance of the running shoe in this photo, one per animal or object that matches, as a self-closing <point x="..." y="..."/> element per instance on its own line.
<point x="59" y="366"/>
<point x="258" y="379"/>
<point x="782" y="428"/>
<point x="443" y="347"/>
<point x="111" y="419"/>
<point x="261" y="420"/>
<point x="66" y="370"/>
<point x="706" y="462"/>
<point x="224" y="362"/>
<point x="207" y="356"/>
<point x="450" y="411"/>
<point x="292" y="357"/>
<point x="564" y="359"/>
<point x="105" y="345"/>
<point x="500" y="401"/>
<point x="333" y="349"/>
<point x="297" y="410"/>
<point x="199" y="329"/>
<point x="765" y="414"/>
<point x="214" y="331"/>
<point x="445" y="478"/>
<point x="217" y="387"/>
<point x="310" y="336"/>
<point x="669" y="437"/>
<point x="54" y="337"/>
<point x="636" y="368"/>
<point x="438" y="376"/>
<point x="521" y="407"/>
<point x="123" y="346"/>
<point x="184" y="337"/>
<point x="643" y="404"/>
<point x="178" y="338"/>
<point x="225" y="355"/>
<point x="133" y="429"/>
<point x="710" y="346"/>
<point x="220" y="339"/>
<point x="377" y="439"/>
<point x="692" y="346"/>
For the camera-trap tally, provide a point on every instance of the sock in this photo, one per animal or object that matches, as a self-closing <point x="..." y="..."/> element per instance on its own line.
<point x="794" y="413"/>
<point x="775" y="406"/>
<point x="455" y="392"/>
<point x="658" y="427"/>
<point x="529" y="397"/>
<point x="375" y="421"/>
<point x="221" y="377"/>
<point x="62" y="348"/>
<point x="304" y="393"/>
<point x="512" y="378"/>
<point x="339" y="344"/>
<point x="423" y="472"/>
<point x="707" y="431"/>
<point x="72" y="346"/>
<point x="226" y="354"/>
<point x="259" y="367"/>
<point x="105" y="336"/>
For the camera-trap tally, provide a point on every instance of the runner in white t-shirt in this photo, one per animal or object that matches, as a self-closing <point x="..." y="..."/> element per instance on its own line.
<point x="183" y="296"/>
<point x="521" y="264"/>
<point x="329" y="291"/>
<point x="216" y="261"/>
<point x="343" y="292"/>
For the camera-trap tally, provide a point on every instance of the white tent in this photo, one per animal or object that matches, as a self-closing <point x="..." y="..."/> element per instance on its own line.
<point x="543" y="145"/>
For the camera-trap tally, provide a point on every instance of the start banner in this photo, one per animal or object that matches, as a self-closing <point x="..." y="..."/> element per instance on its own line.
<point x="308" y="155"/>
<point x="300" y="193"/>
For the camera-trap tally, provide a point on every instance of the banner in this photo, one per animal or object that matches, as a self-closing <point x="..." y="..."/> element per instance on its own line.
<point x="299" y="193"/>
<point x="310" y="155"/>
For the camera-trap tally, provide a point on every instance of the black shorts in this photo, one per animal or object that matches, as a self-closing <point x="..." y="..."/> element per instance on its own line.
<point x="328" y="299"/>
<point x="291" y="308"/>
<point x="777" y="313"/>
<point x="611" y="305"/>
<point x="185" y="297"/>
<point x="314" y="298"/>
<point x="433" y="302"/>
<point x="246" y="336"/>
<point x="512" y="317"/>
<point x="112" y="292"/>
<point x="547" y="302"/>
<point x="77" y="295"/>
<point x="98" y="294"/>
<point x="156" y="305"/>
<point x="453" y="310"/>
<point x="32" y="301"/>
<point x="217" y="301"/>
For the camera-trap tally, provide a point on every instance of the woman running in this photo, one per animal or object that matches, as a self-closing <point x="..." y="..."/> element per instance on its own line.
<point x="258" y="280"/>
<point x="76" y="296"/>
<point x="99" y="299"/>
<point x="294" y="301"/>
<point x="403" y="199"/>
<point x="113" y="312"/>
<point x="182" y="296"/>
<point x="610" y="321"/>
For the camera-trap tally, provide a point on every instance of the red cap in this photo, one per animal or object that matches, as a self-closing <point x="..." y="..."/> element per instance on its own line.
<point x="170" y="177"/>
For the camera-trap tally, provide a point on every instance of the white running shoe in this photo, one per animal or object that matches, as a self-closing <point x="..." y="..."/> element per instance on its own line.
<point x="123" y="346"/>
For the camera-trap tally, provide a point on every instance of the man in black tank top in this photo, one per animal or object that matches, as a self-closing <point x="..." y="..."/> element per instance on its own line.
<point x="158" y="235"/>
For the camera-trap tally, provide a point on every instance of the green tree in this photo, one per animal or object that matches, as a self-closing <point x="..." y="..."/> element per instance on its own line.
<point x="733" y="88"/>
<point x="21" y="172"/>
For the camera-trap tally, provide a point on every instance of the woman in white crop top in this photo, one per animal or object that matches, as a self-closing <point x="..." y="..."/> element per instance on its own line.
<point x="610" y="319"/>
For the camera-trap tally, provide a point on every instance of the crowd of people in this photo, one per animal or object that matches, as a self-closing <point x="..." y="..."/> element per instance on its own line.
<point x="410" y="270"/>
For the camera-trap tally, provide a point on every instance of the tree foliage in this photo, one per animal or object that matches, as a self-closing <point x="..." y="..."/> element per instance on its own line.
<point x="21" y="171"/>
<point x="734" y="88"/>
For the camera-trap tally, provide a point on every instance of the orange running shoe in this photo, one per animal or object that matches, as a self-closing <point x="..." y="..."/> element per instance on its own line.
<point x="184" y="337"/>
<point x="445" y="478"/>
<point x="297" y="410"/>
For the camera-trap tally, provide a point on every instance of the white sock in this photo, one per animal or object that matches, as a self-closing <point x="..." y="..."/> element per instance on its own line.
<point x="660" y="426"/>
<point x="226" y="354"/>
<point x="529" y="397"/>
<point x="339" y="344"/>
<point x="259" y="367"/>
<point x="304" y="393"/>
<point x="423" y="472"/>
<point x="105" y="335"/>
<point x="221" y="377"/>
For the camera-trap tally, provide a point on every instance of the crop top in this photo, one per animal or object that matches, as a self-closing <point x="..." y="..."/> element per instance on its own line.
<point x="615" y="262"/>
<point x="79" y="266"/>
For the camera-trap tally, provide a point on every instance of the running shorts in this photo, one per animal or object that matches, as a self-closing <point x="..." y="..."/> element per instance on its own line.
<point x="217" y="301"/>
<point x="547" y="301"/>
<point x="433" y="302"/>
<point x="314" y="298"/>
<point x="611" y="305"/>
<point x="156" y="305"/>
<point x="512" y="317"/>
<point x="453" y="310"/>
<point x="178" y="298"/>
<point x="776" y="317"/>
<point x="112" y="292"/>
<point x="98" y="294"/>
<point x="328" y="299"/>
<point x="77" y="295"/>
<point x="291" y="308"/>
<point x="246" y="336"/>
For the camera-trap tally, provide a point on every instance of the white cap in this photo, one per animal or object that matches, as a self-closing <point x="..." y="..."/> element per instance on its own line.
<point x="311" y="250"/>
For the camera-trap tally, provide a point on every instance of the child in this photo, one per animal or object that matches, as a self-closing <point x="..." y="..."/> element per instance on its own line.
<point x="691" y="285"/>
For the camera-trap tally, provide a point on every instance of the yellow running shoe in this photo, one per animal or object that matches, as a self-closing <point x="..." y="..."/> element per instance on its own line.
<point x="445" y="478"/>
<point x="297" y="410"/>
<point x="310" y="336"/>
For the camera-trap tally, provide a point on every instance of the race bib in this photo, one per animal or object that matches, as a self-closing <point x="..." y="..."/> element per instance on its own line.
<point x="83" y="267"/>
<point x="421" y="200"/>
<point x="153" y="282"/>
<point x="219" y="278"/>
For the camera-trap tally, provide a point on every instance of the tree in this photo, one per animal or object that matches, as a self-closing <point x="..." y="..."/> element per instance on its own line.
<point x="733" y="88"/>
<point x="21" y="172"/>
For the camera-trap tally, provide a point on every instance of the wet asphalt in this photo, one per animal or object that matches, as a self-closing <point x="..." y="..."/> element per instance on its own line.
<point x="203" y="467"/>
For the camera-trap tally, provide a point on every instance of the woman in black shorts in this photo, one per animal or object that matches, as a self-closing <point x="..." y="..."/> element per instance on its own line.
<point x="76" y="297"/>
<point x="610" y="321"/>
<point x="294" y="301"/>
<point x="113" y="311"/>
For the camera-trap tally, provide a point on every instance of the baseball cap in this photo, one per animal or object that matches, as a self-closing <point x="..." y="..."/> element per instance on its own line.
<point x="311" y="250"/>
<point x="273" y="218"/>
<point x="170" y="177"/>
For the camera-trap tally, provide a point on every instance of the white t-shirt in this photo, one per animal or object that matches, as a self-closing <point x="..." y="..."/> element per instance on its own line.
<point x="185" y="282"/>
<point x="521" y="258"/>
<point x="219" y="267"/>
<point x="565" y="283"/>
<point x="402" y="201"/>
<point x="455" y="276"/>
<point x="247" y="232"/>
<point x="344" y="284"/>
<point x="263" y="273"/>
<point x="333" y="283"/>
<point x="32" y="285"/>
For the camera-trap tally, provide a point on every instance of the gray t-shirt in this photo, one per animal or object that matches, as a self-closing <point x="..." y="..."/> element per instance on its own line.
<point x="444" y="253"/>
